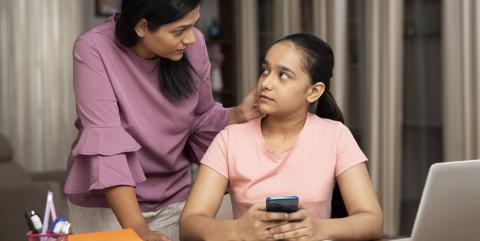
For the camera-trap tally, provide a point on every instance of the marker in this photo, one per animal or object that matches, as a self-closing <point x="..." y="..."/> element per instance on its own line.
<point x="34" y="222"/>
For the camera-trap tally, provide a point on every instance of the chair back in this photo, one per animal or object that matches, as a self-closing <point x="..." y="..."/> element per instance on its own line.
<point x="338" y="206"/>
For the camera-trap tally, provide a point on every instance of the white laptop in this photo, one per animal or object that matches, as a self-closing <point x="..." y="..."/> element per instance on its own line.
<point x="450" y="205"/>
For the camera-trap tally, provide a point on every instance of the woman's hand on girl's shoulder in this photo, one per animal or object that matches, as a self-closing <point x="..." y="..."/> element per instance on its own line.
<point x="247" y="110"/>
<point x="249" y="106"/>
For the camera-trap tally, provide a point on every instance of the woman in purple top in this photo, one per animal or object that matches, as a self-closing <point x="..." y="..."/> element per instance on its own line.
<point x="145" y="112"/>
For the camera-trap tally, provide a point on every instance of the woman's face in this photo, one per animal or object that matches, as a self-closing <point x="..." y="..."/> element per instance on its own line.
<point x="171" y="40"/>
<point x="283" y="86"/>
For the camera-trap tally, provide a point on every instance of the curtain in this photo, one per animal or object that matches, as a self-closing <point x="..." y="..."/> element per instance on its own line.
<point x="384" y="83"/>
<point x="461" y="79"/>
<point x="37" y="108"/>
<point x="381" y="97"/>
<point x="330" y="24"/>
<point x="247" y="50"/>
<point x="286" y="18"/>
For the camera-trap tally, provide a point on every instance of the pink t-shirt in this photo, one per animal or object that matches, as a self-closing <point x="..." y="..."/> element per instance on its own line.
<point x="323" y="150"/>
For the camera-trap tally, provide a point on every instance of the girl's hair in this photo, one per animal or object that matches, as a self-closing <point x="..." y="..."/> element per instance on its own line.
<point x="318" y="61"/>
<point x="175" y="77"/>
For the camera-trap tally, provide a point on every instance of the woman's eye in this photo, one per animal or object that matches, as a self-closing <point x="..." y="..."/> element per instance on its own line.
<point x="178" y="33"/>
<point x="265" y="72"/>
<point x="283" y="76"/>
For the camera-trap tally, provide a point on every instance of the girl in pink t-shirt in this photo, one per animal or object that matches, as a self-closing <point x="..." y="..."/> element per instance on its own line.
<point x="287" y="152"/>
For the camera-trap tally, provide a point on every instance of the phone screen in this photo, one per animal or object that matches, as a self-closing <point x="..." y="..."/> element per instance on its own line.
<point x="286" y="204"/>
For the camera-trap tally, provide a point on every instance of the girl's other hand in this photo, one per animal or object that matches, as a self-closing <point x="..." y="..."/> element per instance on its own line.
<point x="301" y="226"/>
<point x="256" y="223"/>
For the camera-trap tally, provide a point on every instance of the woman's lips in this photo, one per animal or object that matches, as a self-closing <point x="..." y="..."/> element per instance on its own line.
<point x="265" y="98"/>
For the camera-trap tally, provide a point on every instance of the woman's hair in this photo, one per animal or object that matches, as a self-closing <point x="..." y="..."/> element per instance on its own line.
<point x="175" y="77"/>
<point x="317" y="62"/>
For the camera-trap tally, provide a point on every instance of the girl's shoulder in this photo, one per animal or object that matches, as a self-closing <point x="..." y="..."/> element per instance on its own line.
<point x="326" y="127"/>
<point x="243" y="129"/>
<point x="324" y="122"/>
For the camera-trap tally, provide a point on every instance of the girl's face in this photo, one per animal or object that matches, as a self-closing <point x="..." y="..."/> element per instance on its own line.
<point x="284" y="87"/>
<point x="169" y="40"/>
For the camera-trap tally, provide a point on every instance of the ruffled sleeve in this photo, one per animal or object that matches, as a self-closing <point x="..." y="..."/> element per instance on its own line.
<point x="102" y="158"/>
<point x="104" y="141"/>
<point x="104" y="153"/>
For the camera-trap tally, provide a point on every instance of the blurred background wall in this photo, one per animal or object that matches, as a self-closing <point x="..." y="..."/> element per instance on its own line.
<point x="406" y="77"/>
<point x="37" y="104"/>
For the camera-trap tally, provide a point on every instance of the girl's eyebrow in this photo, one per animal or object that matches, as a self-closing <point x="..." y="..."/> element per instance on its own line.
<point x="280" y="67"/>
<point x="286" y="69"/>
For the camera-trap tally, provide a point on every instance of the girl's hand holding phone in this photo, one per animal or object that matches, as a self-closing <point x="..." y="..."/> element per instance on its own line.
<point x="301" y="226"/>
<point x="256" y="223"/>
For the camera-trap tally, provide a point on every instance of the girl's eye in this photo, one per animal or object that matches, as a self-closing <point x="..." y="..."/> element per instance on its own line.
<point x="265" y="72"/>
<point x="283" y="76"/>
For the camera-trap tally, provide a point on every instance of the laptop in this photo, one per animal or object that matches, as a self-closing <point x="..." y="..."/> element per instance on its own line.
<point x="450" y="205"/>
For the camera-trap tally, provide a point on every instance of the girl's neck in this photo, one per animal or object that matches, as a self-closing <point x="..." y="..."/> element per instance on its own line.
<point x="281" y="132"/>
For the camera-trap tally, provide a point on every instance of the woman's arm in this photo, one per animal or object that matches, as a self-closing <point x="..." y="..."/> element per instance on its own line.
<point x="99" y="114"/>
<point x="123" y="201"/>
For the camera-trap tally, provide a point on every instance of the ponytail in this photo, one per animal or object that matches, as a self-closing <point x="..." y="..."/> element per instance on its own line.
<point x="318" y="62"/>
<point x="327" y="107"/>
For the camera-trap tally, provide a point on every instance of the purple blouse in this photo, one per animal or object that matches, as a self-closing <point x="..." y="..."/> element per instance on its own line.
<point x="129" y="133"/>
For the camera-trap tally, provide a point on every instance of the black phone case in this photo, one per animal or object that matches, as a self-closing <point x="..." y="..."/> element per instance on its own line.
<point x="282" y="205"/>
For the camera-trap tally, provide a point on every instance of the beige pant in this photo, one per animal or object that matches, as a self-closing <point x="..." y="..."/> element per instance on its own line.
<point x="84" y="219"/>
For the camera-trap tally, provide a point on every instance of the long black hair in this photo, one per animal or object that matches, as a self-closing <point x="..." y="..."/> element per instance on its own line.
<point x="318" y="62"/>
<point x="175" y="77"/>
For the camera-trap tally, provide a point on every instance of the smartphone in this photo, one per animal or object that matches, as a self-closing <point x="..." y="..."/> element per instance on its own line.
<point x="285" y="204"/>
